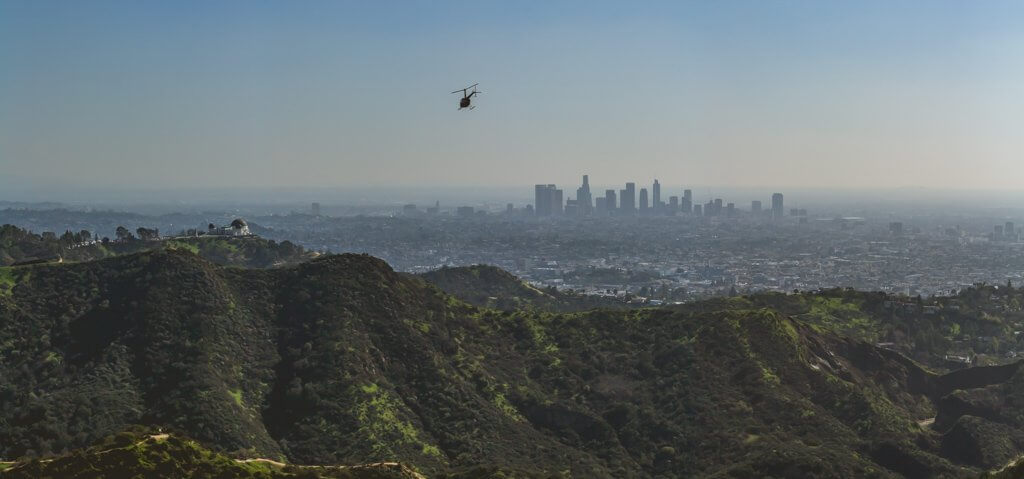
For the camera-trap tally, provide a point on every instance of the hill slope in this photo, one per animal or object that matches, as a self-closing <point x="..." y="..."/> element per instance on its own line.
<point x="492" y="287"/>
<point x="341" y="360"/>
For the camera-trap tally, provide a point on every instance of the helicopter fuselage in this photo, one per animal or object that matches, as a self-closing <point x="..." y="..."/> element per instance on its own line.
<point x="467" y="96"/>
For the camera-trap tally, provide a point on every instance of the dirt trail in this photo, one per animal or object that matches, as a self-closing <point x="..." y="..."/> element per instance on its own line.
<point x="926" y="422"/>
<point x="263" y="460"/>
<point x="163" y="437"/>
<point x="357" y="467"/>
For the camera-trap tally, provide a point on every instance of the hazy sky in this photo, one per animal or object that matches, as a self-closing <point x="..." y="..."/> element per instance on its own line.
<point x="342" y="93"/>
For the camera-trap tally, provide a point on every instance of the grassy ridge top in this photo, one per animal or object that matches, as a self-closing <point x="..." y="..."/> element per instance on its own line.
<point x="20" y="246"/>
<point x="153" y="454"/>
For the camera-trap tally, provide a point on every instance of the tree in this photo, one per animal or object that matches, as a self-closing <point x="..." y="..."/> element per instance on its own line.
<point x="287" y="249"/>
<point x="122" y="233"/>
<point x="148" y="234"/>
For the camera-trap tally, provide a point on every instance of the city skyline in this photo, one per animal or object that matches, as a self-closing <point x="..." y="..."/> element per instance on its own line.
<point x="549" y="200"/>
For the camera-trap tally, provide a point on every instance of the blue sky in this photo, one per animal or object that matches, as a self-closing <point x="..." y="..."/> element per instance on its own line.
<point x="755" y="93"/>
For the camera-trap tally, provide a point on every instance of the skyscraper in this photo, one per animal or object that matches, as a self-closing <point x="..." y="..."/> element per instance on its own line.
<point x="540" y="200"/>
<point x="584" y="200"/>
<point x="627" y="202"/>
<point x="755" y="206"/>
<point x="656" y="196"/>
<point x="709" y="209"/>
<point x="673" y="205"/>
<point x="571" y="208"/>
<point x="1010" y="231"/>
<point x="610" y="203"/>
<point x="556" y="202"/>
<point x="544" y="200"/>
<point x="687" y="201"/>
<point x="643" y="201"/>
<point x="777" y="208"/>
<point x="697" y="210"/>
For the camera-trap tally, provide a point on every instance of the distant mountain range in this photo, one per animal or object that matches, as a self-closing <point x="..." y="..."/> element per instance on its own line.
<point x="341" y="360"/>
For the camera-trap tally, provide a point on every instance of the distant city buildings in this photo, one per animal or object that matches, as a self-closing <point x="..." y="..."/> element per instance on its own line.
<point x="1007" y="232"/>
<point x="777" y="207"/>
<point x="548" y="201"/>
<point x="656" y="197"/>
<point x="628" y="199"/>
<point x="315" y="207"/>
<point x="584" y="201"/>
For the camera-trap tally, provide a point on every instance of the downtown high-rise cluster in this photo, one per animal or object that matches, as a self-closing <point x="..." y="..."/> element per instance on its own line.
<point x="548" y="201"/>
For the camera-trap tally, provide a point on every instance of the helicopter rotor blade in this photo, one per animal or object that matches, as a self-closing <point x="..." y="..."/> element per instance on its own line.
<point x="467" y="88"/>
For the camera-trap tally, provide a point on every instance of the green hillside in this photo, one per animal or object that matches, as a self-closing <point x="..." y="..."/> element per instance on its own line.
<point x="492" y="287"/>
<point x="341" y="360"/>
<point x="981" y="322"/>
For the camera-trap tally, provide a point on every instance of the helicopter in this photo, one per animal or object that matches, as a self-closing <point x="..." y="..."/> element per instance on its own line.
<point x="466" y="97"/>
